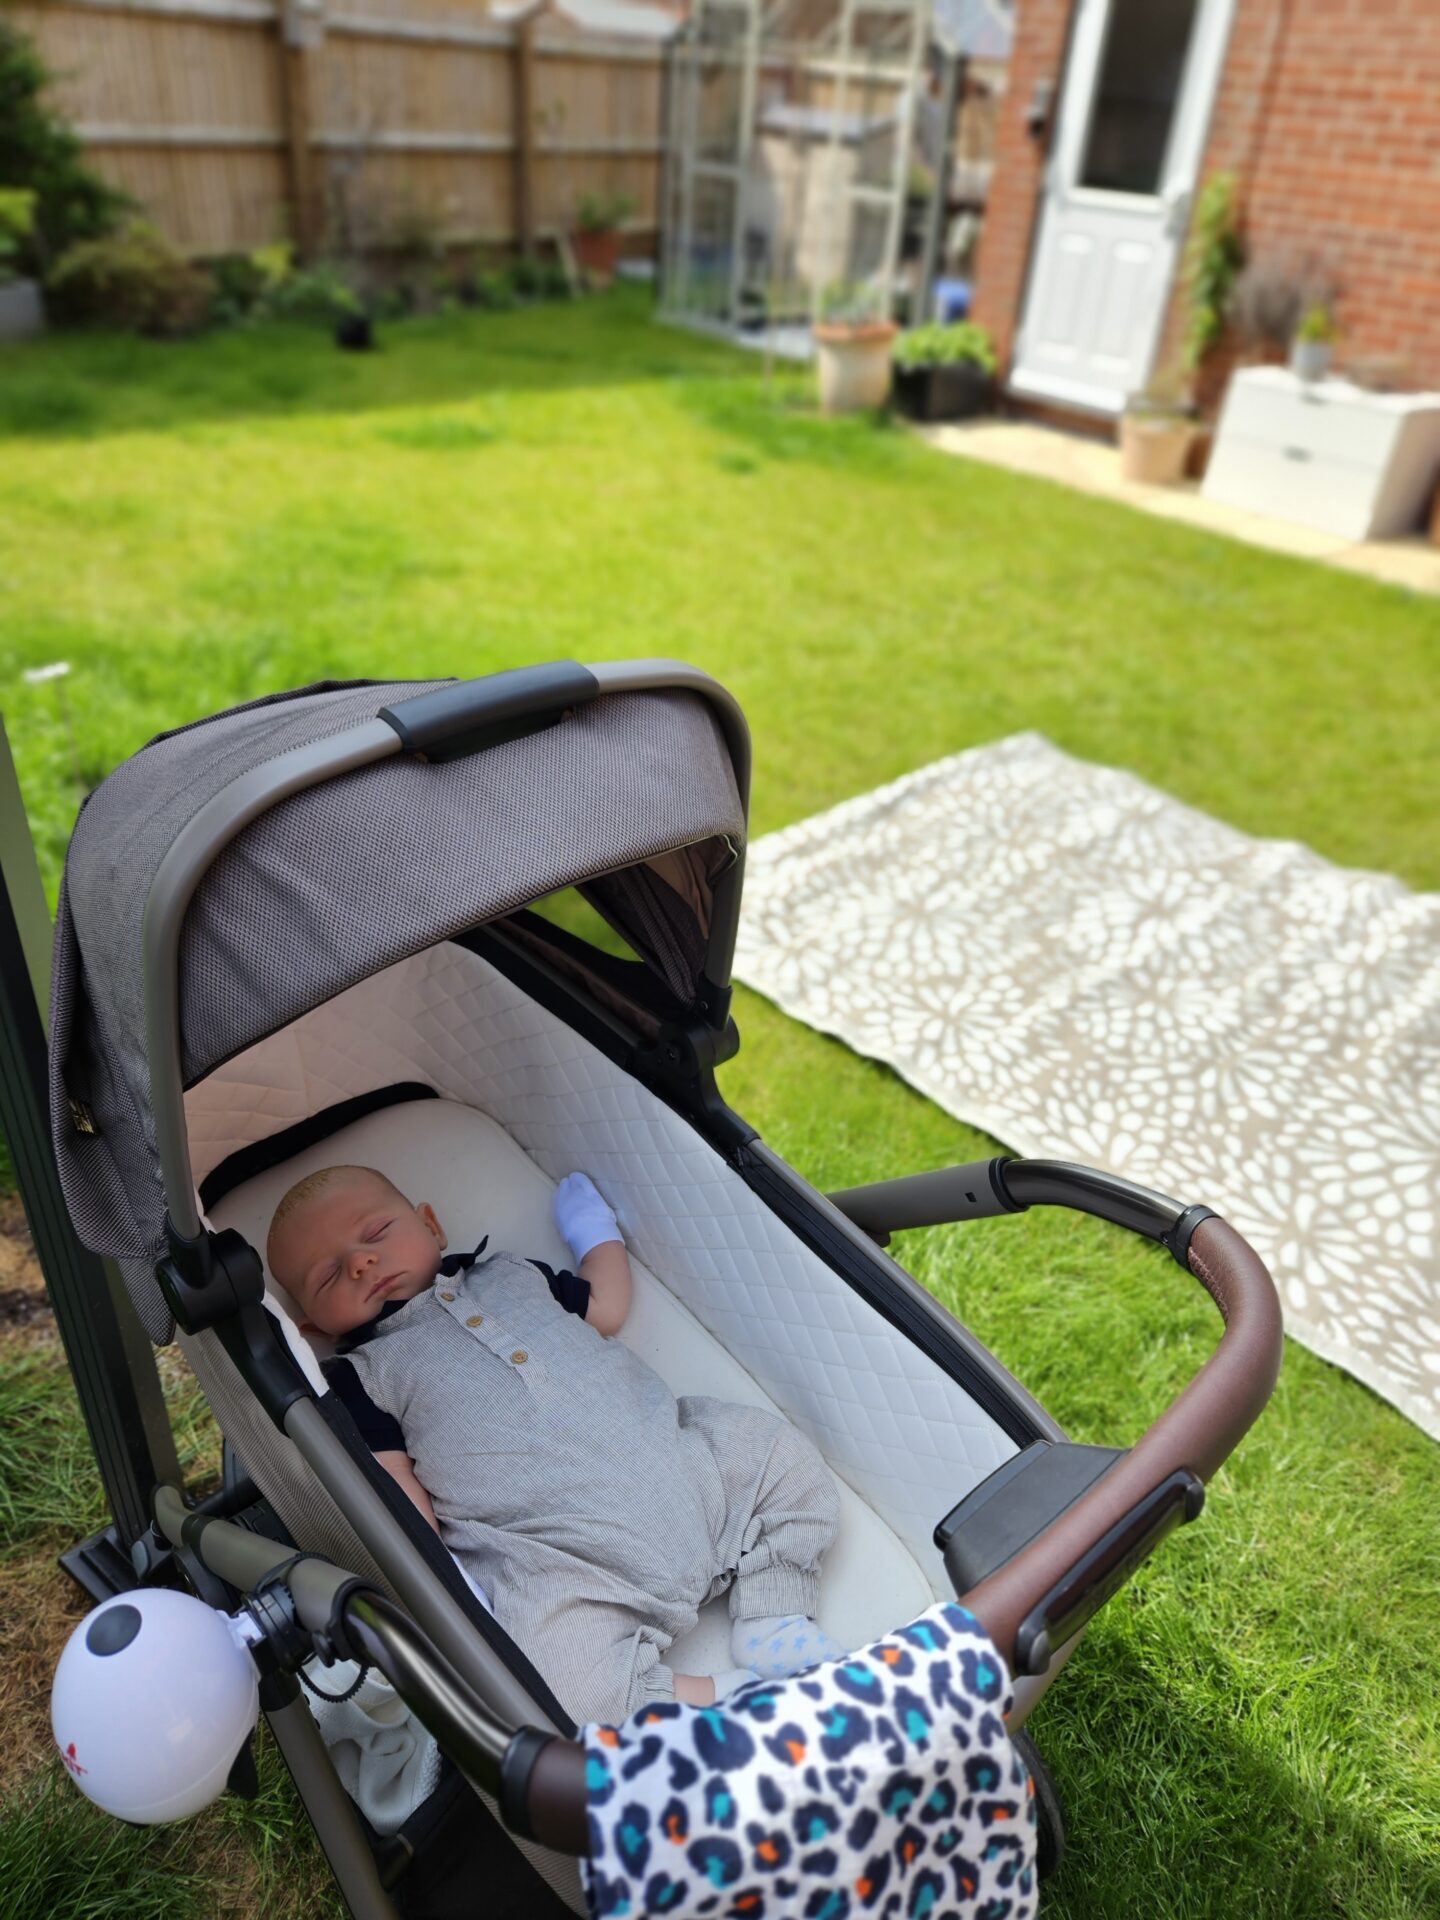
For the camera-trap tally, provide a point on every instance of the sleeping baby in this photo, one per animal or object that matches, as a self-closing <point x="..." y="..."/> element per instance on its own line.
<point x="597" y="1511"/>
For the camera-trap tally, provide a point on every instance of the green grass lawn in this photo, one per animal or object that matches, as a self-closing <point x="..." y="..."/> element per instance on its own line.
<point x="1252" y="1728"/>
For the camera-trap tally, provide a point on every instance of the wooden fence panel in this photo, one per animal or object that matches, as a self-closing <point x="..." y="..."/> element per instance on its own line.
<point x="398" y="123"/>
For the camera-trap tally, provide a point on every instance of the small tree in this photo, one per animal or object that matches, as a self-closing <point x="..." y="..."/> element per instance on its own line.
<point x="40" y="153"/>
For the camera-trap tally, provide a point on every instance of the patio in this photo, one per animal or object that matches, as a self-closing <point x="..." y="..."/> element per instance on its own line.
<point x="1093" y="466"/>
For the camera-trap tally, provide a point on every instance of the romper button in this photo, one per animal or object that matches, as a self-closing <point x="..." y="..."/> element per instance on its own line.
<point x="447" y="1296"/>
<point x="474" y="1319"/>
<point x="519" y="1356"/>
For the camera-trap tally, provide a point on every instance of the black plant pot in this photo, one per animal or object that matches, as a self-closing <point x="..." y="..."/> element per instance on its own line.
<point x="354" y="332"/>
<point x="953" y="391"/>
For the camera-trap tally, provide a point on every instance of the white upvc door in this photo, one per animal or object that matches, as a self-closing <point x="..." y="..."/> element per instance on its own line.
<point x="1139" y="86"/>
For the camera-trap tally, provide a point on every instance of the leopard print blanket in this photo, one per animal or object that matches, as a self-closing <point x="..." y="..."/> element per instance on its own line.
<point x="882" y="1785"/>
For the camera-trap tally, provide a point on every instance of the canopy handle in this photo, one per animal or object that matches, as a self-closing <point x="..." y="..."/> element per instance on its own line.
<point x="452" y="722"/>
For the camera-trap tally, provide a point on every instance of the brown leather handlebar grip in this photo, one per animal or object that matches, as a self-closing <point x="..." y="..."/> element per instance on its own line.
<point x="1196" y="1433"/>
<point x="557" y="1799"/>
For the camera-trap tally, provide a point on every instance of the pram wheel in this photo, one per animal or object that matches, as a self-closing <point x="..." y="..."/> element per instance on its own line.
<point x="1049" y="1812"/>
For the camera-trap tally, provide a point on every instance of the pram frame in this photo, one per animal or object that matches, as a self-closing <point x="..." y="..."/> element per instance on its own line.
<point x="213" y="1282"/>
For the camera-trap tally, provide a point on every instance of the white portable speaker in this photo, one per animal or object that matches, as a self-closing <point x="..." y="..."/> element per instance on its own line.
<point x="154" y="1696"/>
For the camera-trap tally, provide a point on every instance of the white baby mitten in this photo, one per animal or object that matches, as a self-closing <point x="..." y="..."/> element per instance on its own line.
<point x="732" y="1679"/>
<point x="582" y="1215"/>
<point x="785" y="1644"/>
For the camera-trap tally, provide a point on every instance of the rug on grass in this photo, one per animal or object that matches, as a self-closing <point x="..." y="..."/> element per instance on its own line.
<point x="1087" y="969"/>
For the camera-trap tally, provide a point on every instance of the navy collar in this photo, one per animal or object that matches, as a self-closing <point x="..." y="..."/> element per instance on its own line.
<point x="455" y="1263"/>
<point x="450" y="1266"/>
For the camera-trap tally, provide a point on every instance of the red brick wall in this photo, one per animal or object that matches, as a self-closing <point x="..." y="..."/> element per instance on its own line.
<point x="1040" y="31"/>
<point x="1329" y="113"/>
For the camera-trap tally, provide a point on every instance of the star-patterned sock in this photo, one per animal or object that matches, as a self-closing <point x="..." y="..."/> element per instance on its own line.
<point x="784" y="1644"/>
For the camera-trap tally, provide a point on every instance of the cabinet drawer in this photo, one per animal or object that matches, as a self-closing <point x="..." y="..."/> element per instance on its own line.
<point x="1312" y="422"/>
<point x="1292" y="485"/>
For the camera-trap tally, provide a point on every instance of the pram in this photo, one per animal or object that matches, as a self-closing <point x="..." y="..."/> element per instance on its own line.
<point x="305" y="931"/>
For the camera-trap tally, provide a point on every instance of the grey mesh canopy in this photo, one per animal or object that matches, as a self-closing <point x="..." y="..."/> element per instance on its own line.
<point x="338" y="880"/>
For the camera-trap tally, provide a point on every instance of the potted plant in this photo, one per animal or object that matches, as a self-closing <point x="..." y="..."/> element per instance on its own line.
<point x="598" y="221"/>
<point x="1314" y="342"/>
<point x="21" y="310"/>
<point x="1156" y="429"/>
<point x="944" y="372"/>
<point x="853" y="341"/>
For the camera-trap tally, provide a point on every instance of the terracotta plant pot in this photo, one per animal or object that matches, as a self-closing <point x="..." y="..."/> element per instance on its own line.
<point x="1154" y="448"/>
<point x="598" y="252"/>
<point x="854" y="366"/>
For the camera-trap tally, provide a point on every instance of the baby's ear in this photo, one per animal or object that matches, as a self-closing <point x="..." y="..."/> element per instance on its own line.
<point x="427" y="1214"/>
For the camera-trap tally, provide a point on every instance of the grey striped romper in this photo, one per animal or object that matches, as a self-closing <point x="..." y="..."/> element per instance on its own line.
<point x="598" y="1511"/>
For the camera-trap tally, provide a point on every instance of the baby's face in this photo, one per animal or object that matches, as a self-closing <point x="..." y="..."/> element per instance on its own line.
<point x="356" y="1244"/>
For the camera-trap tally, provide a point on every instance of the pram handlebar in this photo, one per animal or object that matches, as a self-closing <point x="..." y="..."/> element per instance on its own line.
<point x="1030" y="1605"/>
<point x="1047" y="1589"/>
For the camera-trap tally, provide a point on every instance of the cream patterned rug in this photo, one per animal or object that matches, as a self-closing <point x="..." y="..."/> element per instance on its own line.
<point x="1087" y="969"/>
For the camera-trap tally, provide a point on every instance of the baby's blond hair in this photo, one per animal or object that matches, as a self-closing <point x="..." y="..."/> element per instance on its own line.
<point x="310" y="1187"/>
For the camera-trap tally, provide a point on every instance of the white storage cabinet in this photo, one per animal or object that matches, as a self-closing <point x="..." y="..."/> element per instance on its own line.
<point x="1327" y="453"/>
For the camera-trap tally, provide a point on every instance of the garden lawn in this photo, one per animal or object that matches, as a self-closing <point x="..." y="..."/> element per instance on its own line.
<point x="1252" y="1727"/>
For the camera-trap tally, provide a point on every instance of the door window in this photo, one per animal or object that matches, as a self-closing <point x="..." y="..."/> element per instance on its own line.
<point x="1140" y="73"/>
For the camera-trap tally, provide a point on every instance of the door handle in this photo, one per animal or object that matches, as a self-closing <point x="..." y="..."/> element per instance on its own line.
<point x="1176" y="205"/>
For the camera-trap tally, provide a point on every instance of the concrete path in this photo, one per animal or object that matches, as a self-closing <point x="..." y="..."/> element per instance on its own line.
<point x="1094" y="467"/>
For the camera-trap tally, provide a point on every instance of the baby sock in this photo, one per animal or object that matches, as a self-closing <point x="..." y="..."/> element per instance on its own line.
<point x="783" y="1644"/>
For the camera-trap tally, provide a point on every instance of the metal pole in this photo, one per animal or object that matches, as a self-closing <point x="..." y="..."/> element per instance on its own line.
<point x="904" y="133"/>
<point x="832" y="191"/>
<point x="743" y="155"/>
<point x="952" y="95"/>
<point x="108" y="1354"/>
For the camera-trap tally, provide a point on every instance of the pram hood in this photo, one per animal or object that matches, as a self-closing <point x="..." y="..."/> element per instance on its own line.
<point x="627" y="781"/>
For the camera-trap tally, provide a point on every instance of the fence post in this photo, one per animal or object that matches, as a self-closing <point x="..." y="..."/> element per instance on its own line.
<point x="109" y="1356"/>
<point x="524" y="71"/>
<point x="302" y="31"/>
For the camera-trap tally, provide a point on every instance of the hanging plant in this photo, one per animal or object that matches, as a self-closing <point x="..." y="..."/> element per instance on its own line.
<point x="1213" y="261"/>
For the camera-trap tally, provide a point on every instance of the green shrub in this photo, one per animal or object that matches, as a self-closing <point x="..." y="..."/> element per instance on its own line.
<point x="847" y="303"/>
<point x="962" y="342"/>
<point x="132" y="279"/>
<point x="241" y="284"/>
<point x="40" y="153"/>
<point x="1317" y="324"/>
<point x="600" y="212"/>
<point x="1213" y="260"/>
<point x="494" y="290"/>
<point x="554" y="282"/>
<point x="320" y="293"/>
<point x="17" y="223"/>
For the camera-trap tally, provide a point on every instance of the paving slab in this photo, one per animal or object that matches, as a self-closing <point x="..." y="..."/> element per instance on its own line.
<point x="1093" y="466"/>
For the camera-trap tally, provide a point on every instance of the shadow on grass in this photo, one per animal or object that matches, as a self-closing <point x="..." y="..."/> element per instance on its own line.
<point x="1171" y="1817"/>
<point x="85" y="386"/>
<point x="81" y="385"/>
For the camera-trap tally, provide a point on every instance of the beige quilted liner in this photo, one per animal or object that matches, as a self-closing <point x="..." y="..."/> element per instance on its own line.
<point x="1087" y="969"/>
<point x="908" y="1439"/>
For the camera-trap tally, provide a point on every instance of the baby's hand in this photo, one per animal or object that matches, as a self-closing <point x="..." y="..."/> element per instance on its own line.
<point x="582" y="1215"/>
